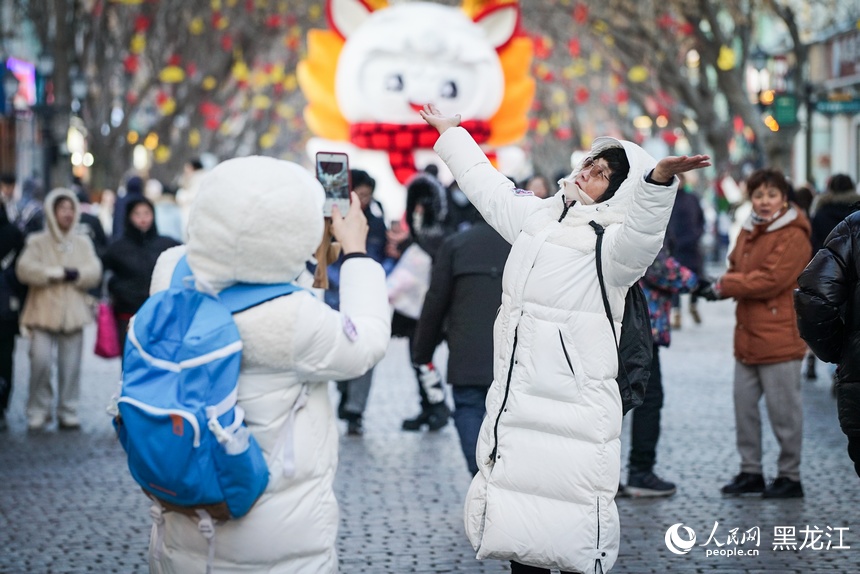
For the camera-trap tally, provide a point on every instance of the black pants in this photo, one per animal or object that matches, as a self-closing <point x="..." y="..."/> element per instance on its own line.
<point x="645" y="427"/>
<point x="517" y="568"/>
<point x="8" y="331"/>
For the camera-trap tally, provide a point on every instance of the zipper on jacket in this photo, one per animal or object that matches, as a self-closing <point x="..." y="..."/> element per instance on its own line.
<point x="566" y="356"/>
<point x="598" y="565"/>
<point x="567" y="206"/>
<point x="504" y="400"/>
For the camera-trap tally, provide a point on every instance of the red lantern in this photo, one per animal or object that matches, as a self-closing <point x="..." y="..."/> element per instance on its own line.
<point x="574" y="48"/>
<point x="141" y="23"/>
<point x="226" y="42"/>
<point x="581" y="95"/>
<point x="174" y="60"/>
<point x="580" y="13"/>
<point x="131" y="64"/>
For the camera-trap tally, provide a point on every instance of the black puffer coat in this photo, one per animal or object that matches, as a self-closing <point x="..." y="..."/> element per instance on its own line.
<point x="132" y="258"/>
<point x="828" y="316"/>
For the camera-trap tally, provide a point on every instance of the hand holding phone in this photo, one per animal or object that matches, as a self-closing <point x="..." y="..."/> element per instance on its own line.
<point x="351" y="228"/>
<point x="332" y="170"/>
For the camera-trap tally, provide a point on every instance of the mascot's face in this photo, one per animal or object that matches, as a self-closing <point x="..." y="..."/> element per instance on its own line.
<point x="412" y="54"/>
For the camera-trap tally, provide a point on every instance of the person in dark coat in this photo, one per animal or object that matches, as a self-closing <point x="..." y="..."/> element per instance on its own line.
<point x="828" y="316"/>
<point x="131" y="259"/>
<point x="464" y="295"/>
<point x="831" y="207"/>
<point x="133" y="191"/>
<point x="12" y="294"/>
<point x="684" y="234"/>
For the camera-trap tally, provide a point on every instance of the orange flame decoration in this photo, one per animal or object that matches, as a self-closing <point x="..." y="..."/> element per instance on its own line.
<point x="316" y="76"/>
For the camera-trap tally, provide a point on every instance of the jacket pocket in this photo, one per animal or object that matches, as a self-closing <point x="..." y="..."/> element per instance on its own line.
<point x="566" y="354"/>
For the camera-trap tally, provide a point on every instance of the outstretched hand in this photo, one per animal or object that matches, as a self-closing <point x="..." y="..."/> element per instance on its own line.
<point x="350" y="231"/>
<point x="435" y="118"/>
<point x="670" y="166"/>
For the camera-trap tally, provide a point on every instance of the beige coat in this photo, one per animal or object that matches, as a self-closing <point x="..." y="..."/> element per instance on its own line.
<point x="53" y="304"/>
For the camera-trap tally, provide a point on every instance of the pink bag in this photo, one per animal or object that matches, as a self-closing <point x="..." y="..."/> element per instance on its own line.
<point x="107" y="339"/>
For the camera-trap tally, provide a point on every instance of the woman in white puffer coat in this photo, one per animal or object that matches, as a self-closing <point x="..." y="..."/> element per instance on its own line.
<point x="258" y="220"/>
<point x="549" y="448"/>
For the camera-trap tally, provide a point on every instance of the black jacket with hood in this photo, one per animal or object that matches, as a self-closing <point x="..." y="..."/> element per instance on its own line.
<point x="131" y="259"/>
<point x="828" y="316"/>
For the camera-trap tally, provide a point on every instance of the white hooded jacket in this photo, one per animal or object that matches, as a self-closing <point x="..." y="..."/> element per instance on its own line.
<point x="549" y="448"/>
<point x="257" y="220"/>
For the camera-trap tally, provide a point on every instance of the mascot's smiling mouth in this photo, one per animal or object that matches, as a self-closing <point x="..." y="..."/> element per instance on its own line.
<point x="416" y="107"/>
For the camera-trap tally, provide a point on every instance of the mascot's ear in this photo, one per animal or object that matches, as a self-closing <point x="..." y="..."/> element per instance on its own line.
<point x="346" y="16"/>
<point x="499" y="22"/>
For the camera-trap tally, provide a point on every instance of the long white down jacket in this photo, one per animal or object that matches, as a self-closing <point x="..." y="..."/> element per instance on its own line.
<point x="549" y="448"/>
<point x="258" y="220"/>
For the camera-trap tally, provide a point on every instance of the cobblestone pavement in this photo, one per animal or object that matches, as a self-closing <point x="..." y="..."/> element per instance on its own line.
<point x="68" y="504"/>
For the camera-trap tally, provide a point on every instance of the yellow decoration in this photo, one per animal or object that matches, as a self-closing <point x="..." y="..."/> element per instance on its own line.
<point x="542" y="127"/>
<point x="216" y="4"/>
<point x="601" y="27"/>
<point x="261" y="102"/>
<point x="168" y="107"/>
<point x="277" y="74"/>
<point x="291" y="83"/>
<point x="609" y="40"/>
<point x="559" y="97"/>
<point x="194" y="138"/>
<point x="285" y="111"/>
<point x="223" y="22"/>
<point x="637" y="74"/>
<point x="259" y="79"/>
<point x="162" y="154"/>
<point x="224" y="129"/>
<point x="240" y="71"/>
<point x="209" y="82"/>
<point x="726" y="59"/>
<point x="474" y="7"/>
<point x="138" y="43"/>
<point x="577" y="68"/>
<point x="314" y="12"/>
<point x="172" y="75"/>
<point x="132" y="137"/>
<point x="268" y="140"/>
<point x="151" y="141"/>
<point x="595" y="61"/>
<point x="232" y="3"/>
<point x="196" y="26"/>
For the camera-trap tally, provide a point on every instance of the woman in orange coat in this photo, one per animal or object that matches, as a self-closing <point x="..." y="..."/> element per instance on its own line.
<point x="772" y="250"/>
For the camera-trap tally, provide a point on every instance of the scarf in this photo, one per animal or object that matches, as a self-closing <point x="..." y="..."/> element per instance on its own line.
<point x="758" y="220"/>
<point x="400" y="141"/>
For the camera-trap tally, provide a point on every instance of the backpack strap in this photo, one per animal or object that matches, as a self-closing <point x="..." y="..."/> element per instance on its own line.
<point x="239" y="297"/>
<point x="598" y="229"/>
<point x="243" y="296"/>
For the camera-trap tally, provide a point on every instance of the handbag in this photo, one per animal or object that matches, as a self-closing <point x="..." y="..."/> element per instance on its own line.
<point x="107" y="338"/>
<point x="636" y="346"/>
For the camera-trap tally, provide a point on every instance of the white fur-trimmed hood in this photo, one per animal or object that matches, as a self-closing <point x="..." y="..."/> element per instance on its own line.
<point x="255" y="220"/>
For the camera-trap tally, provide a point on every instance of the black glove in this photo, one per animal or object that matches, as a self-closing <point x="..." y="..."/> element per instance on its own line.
<point x="705" y="290"/>
<point x="70" y="274"/>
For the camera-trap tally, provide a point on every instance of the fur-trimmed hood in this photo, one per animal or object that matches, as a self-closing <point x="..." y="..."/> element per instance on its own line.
<point x="51" y="219"/>
<point x="843" y="198"/>
<point x="609" y="212"/>
<point x="255" y="220"/>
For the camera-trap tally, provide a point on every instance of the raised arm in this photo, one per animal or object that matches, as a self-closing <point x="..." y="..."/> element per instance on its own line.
<point x="491" y="192"/>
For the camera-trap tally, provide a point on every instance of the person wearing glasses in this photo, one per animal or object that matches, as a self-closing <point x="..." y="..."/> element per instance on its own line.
<point x="548" y="452"/>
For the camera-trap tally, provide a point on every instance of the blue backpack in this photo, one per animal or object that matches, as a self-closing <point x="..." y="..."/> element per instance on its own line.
<point x="178" y="421"/>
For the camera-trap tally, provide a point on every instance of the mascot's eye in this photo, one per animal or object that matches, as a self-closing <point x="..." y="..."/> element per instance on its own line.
<point x="449" y="90"/>
<point x="394" y="83"/>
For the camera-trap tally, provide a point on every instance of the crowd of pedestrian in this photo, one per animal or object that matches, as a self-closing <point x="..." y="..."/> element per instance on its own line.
<point x="502" y="273"/>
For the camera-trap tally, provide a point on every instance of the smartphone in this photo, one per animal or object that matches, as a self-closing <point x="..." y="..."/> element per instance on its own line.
<point x="333" y="174"/>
